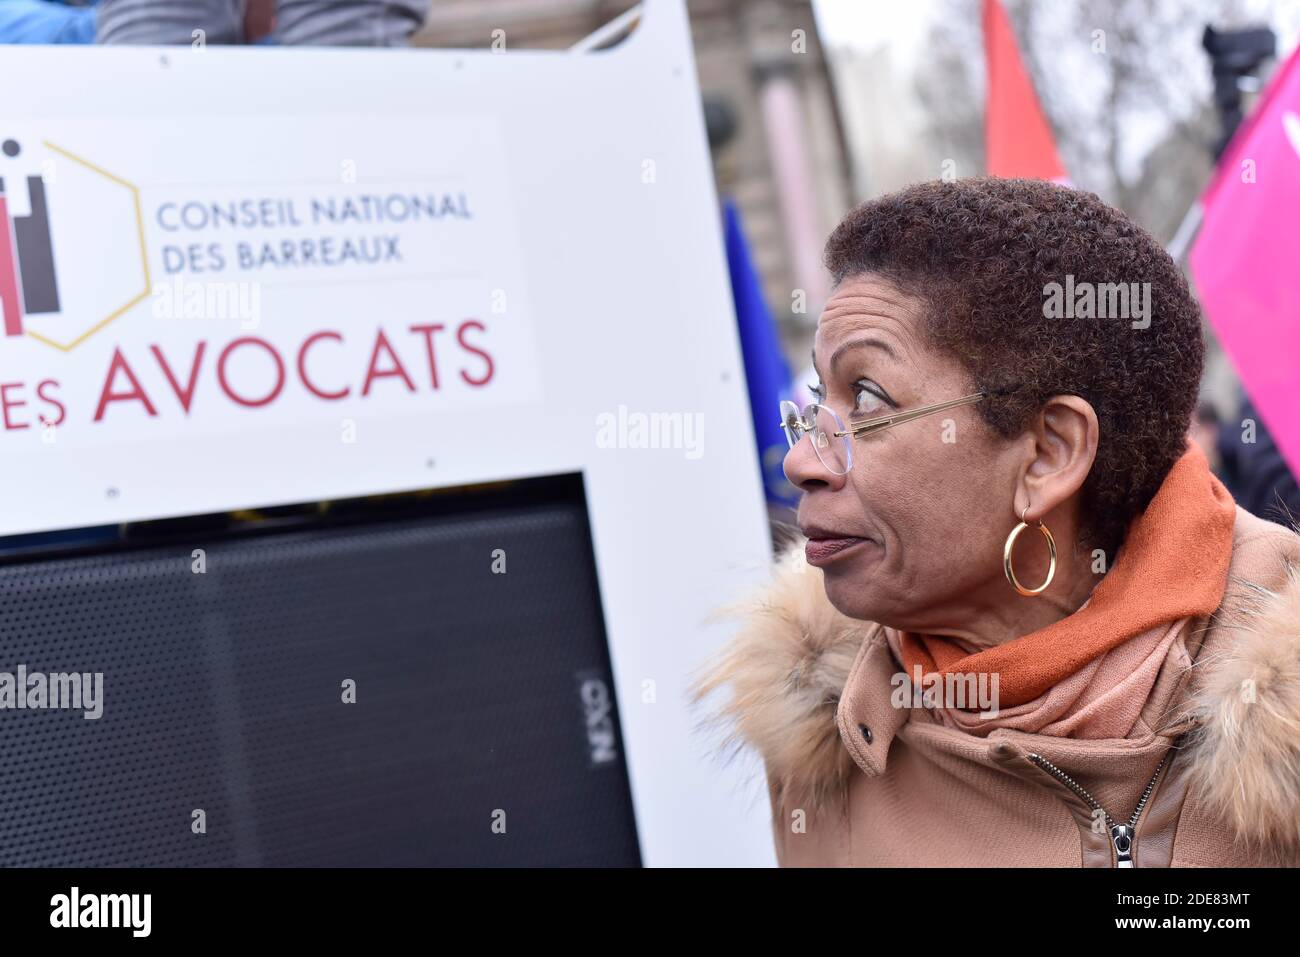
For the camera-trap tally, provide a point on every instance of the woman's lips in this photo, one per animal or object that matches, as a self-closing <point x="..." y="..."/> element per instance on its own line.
<point x="822" y="551"/>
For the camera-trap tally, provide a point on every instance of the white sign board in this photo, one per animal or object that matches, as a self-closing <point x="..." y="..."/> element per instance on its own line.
<point x="236" y="278"/>
<point x="194" y="291"/>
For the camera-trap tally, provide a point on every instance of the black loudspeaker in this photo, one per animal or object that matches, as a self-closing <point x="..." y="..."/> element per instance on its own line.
<point x="484" y="730"/>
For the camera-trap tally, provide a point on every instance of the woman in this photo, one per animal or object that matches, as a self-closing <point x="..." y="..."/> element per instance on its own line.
<point x="1028" y="626"/>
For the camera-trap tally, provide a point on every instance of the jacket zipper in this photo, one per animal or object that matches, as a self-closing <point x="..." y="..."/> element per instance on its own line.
<point x="1121" y="835"/>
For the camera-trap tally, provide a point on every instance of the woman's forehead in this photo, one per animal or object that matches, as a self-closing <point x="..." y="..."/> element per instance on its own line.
<point x="869" y="300"/>
<point x="866" y="305"/>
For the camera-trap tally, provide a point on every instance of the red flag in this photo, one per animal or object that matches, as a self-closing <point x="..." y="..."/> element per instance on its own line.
<point x="1017" y="140"/>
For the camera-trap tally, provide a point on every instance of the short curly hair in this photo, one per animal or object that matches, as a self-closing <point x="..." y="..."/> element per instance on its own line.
<point x="981" y="254"/>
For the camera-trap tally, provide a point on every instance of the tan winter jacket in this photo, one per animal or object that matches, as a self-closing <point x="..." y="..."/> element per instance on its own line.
<point x="855" y="781"/>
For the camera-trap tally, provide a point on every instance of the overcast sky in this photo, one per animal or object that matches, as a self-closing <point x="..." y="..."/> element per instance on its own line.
<point x="863" y="25"/>
<point x="869" y="23"/>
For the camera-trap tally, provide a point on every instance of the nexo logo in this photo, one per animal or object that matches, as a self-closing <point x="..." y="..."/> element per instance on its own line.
<point x="102" y="228"/>
<point x="598" y="711"/>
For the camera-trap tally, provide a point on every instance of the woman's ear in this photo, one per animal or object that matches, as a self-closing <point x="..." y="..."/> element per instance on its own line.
<point x="1064" y="445"/>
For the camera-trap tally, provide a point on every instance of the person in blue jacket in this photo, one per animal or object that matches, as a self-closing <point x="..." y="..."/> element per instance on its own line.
<point x="47" y="21"/>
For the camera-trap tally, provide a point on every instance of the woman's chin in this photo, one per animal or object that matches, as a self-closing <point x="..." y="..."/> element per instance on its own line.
<point x="852" y="595"/>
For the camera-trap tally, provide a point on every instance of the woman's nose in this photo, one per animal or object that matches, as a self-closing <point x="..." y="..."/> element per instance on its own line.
<point x="805" y="471"/>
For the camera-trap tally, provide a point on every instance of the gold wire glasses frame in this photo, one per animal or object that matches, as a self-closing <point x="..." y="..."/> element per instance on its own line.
<point x="832" y="441"/>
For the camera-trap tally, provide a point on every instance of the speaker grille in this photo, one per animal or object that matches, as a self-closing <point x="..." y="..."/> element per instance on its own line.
<point x="223" y="692"/>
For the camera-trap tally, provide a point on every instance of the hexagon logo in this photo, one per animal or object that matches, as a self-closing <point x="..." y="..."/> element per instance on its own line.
<point x="72" y="250"/>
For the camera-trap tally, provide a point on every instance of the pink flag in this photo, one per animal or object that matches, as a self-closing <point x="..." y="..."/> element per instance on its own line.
<point x="1246" y="261"/>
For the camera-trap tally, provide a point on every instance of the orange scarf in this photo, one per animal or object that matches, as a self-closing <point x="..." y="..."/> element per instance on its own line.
<point x="1173" y="564"/>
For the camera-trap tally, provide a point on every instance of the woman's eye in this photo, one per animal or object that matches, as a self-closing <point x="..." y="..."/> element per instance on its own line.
<point x="865" y="400"/>
<point x="816" y="389"/>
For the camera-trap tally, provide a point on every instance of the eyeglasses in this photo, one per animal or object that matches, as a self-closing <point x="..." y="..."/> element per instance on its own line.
<point x="832" y="441"/>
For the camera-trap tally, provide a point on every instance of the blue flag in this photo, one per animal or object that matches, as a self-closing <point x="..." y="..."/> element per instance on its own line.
<point x="766" y="370"/>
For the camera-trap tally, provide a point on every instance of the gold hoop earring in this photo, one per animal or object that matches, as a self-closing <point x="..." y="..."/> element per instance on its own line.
<point x="1011" y="544"/>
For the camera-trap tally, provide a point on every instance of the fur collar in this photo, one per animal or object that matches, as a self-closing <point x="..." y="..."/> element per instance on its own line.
<point x="788" y="664"/>
<point x="1245" y="746"/>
